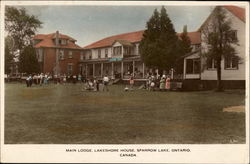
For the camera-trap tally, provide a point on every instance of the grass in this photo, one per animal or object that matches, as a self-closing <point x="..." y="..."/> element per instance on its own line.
<point x="63" y="114"/>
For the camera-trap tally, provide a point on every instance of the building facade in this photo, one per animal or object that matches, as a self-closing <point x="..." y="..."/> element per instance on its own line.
<point x="232" y="70"/>
<point x="118" y="56"/>
<point x="57" y="54"/>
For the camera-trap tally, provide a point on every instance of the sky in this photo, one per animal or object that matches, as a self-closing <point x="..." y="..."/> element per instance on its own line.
<point x="88" y="24"/>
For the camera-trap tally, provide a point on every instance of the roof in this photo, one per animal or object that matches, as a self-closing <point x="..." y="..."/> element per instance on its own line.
<point x="134" y="37"/>
<point x="130" y="37"/>
<point x="124" y="42"/>
<point x="235" y="10"/>
<point x="47" y="41"/>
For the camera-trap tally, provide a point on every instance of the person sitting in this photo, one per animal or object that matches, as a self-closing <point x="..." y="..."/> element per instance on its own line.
<point x="89" y="86"/>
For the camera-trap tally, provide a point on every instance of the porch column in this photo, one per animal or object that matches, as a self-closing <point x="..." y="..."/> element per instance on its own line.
<point x="86" y="70"/>
<point x="93" y="69"/>
<point x="112" y="69"/>
<point x="122" y="69"/>
<point x="143" y="70"/>
<point x="133" y="68"/>
<point x="184" y="69"/>
<point x="101" y="69"/>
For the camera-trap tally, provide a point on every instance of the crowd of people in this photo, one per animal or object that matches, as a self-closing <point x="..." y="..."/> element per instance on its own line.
<point x="157" y="82"/>
<point x="154" y="82"/>
<point x="94" y="84"/>
<point x="44" y="79"/>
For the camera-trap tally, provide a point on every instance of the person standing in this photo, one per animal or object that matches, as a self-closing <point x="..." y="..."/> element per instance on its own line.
<point x="41" y="78"/>
<point x="27" y="81"/>
<point x="168" y="83"/>
<point x="79" y="78"/>
<point x="162" y="83"/>
<point x="64" y="79"/>
<point x="131" y="82"/>
<point x="74" y="79"/>
<point x="105" y="83"/>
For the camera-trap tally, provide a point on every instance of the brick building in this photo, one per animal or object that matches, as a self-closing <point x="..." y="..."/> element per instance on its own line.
<point x="57" y="53"/>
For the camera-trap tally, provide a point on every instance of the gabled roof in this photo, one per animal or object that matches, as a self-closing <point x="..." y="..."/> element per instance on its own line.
<point x="123" y="42"/>
<point x="131" y="37"/>
<point x="134" y="37"/>
<point x="47" y="41"/>
<point x="235" y="10"/>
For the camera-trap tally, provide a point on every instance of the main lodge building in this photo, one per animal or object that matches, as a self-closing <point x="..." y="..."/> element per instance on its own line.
<point x="118" y="56"/>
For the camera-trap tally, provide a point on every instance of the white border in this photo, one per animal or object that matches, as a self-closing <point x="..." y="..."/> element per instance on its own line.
<point x="205" y="153"/>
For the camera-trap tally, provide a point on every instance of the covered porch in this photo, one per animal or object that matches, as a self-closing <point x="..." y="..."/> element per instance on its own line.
<point x="115" y="69"/>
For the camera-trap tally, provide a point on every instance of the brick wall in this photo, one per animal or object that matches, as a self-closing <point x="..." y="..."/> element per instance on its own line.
<point x="50" y="59"/>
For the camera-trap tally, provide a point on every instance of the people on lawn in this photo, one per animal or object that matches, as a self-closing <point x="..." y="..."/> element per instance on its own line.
<point x="162" y="83"/>
<point x="105" y="83"/>
<point x="131" y="82"/>
<point x="29" y="81"/>
<point x="167" y="83"/>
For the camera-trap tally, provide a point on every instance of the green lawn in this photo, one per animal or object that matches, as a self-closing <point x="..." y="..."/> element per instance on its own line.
<point x="63" y="114"/>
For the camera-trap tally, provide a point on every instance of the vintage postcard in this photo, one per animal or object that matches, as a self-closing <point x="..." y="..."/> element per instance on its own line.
<point x="124" y="82"/>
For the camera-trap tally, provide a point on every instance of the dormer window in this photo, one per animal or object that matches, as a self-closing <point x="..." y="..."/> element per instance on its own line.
<point x="62" y="41"/>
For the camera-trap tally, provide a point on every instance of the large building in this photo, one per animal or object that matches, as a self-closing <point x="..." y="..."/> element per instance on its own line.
<point x="119" y="56"/>
<point x="232" y="69"/>
<point x="57" y="53"/>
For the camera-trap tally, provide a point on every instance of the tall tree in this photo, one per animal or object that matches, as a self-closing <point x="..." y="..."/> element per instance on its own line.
<point x="28" y="61"/>
<point x="220" y="39"/>
<point x="20" y="26"/>
<point x="185" y="41"/>
<point x="159" y="46"/>
<point x="9" y="56"/>
<point x="185" y="48"/>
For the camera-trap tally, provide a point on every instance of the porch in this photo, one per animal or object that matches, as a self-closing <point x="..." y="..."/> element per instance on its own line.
<point x="115" y="69"/>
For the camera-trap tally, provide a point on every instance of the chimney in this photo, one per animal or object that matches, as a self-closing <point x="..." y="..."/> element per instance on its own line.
<point x="57" y="38"/>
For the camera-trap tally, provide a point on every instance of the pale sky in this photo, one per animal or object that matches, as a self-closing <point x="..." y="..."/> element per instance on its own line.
<point x="88" y="24"/>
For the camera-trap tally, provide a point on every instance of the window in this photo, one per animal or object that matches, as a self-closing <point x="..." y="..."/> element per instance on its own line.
<point x="193" y="66"/>
<point x="62" y="41"/>
<point x="106" y="53"/>
<point x="70" y="69"/>
<point x="233" y="35"/>
<point x="189" y="66"/>
<point x="117" y="50"/>
<point x="70" y="54"/>
<point x="61" y="54"/>
<point x="99" y="53"/>
<point x="90" y="56"/>
<point x="127" y="51"/>
<point x="211" y="63"/>
<point x="231" y="62"/>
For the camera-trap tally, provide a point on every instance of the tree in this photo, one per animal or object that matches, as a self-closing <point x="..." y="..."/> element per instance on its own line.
<point x="159" y="46"/>
<point x="185" y="48"/>
<point x="220" y="40"/>
<point x="9" y="56"/>
<point x="20" y="26"/>
<point x="185" y="41"/>
<point x="28" y="61"/>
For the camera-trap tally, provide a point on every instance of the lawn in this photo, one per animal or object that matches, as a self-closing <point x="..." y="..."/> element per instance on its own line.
<point x="63" y="114"/>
